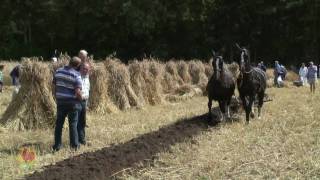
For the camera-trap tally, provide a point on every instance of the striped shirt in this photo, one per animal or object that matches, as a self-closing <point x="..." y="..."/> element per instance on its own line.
<point x="67" y="80"/>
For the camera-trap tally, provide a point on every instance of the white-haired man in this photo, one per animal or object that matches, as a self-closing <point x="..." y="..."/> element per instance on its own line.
<point x="84" y="71"/>
<point x="83" y="55"/>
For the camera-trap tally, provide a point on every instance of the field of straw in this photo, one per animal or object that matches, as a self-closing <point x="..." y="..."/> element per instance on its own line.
<point x="136" y="131"/>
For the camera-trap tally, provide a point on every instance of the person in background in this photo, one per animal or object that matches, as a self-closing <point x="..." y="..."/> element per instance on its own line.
<point x="15" y="74"/>
<point x="54" y="60"/>
<point x="303" y="74"/>
<point x="283" y="72"/>
<point x="83" y="55"/>
<point x="262" y="66"/>
<point x="316" y="75"/>
<point x="318" y="70"/>
<point x="67" y="87"/>
<point x="84" y="71"/>
<point x="1" y="77"/>
<point x="277" y="74"/>
<point x="311" y="76"/>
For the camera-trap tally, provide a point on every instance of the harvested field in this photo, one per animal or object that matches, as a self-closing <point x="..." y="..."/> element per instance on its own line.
<point x="173" y="141"/>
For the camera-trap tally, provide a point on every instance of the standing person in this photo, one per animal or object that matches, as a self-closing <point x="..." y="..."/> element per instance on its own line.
<point x="83" y="55"/>
<point x="283" y="71"/>
<point x="262" y="66"/>
<point x="303" y="74"/>
<point x="84" y="70"/>
<point x="15" y="74"/>
<point x="54" y="60"/>
<point x="311" y="76"/>
<point x="67" y="90"/>
<point x="277" y="74"/>
<point x="1" y="77"/>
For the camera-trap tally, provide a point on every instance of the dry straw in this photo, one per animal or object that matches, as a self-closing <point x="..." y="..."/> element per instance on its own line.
<point x="183" y="71"/>
<point x="153" y="76"/>
<point x="63" y="60"/>
<point x="172" y="80"/>
<point x="137" y="80"/>
<point x="99" y="100"/>
<point x="208" y="69"/>
<point x="184" y="92"/>
<point x="234" y="69"/>
<point x="119" y="88"/>
<point x="33" y="107"/>
<point x="113" y="86"/>
<point x="292" y="76"/>
<point x="197" y="72"/>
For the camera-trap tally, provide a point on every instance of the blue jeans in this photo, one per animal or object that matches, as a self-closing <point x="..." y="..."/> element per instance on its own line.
<point x="72" y="111"/>
<point x="82" y="122"/>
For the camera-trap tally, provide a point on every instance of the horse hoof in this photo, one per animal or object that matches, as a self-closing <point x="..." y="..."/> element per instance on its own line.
<point x="259" y="117"/>
<point x="251" y="115"/>
<point x="247" y="123"/>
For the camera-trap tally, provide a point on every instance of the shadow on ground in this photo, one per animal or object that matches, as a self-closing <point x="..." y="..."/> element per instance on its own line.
<point x="106" y="162"/>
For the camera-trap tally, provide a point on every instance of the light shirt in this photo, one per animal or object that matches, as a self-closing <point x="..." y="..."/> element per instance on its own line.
<point x="85" y="87"/>
<point x="1" y="76"/>
<point x="278" y="69"/>
<point x="303" y="71"/>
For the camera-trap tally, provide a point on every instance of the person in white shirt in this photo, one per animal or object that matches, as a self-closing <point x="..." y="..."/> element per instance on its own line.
<point x="303" y="74"/>
<point x="85" y="92"/>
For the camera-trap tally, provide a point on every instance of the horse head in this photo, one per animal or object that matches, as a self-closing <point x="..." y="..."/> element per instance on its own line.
<point x="217" y="65"/>
<point x="244" y="58"/>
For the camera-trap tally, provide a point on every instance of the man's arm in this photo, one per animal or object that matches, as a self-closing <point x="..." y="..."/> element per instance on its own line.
<point x="78" y="87"/>
<point x="54" y="88"/>
<point x="78" y="94"/>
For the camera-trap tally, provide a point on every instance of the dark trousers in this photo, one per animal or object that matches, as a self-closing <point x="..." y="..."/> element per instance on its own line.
<point x="72" y="111"/>
<point x="82" y="122"/>
<point x="15" y="81"/>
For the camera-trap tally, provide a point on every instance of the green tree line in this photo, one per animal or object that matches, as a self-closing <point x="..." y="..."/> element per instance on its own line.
<point x="285" y="30"/>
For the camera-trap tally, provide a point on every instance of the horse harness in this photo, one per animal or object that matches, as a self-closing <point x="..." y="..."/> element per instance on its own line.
<point x="248" y="72"/>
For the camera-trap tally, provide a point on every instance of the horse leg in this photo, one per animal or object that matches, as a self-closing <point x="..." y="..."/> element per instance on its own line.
<point x="250" y="106"/>
<point x="228" y="108"/>
<point x="251" y="102"/>
<point x="260" y="103"/>
<point x="222" y="109"/>
<point x="209" y="107"/>
<point x="246" y="108"/>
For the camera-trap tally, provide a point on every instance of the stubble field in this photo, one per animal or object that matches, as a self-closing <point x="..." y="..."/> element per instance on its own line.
<point x="173" y="141"/>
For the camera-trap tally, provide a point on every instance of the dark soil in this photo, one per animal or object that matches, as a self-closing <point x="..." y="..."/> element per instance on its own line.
<point x="103" y="164"/>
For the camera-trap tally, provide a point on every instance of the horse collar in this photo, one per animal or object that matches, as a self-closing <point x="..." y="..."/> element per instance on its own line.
<point x="248" y="72"/>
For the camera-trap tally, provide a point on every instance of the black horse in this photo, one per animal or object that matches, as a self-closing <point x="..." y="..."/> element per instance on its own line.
<point x="221" y="86"/>
<point x="252" y="83"/>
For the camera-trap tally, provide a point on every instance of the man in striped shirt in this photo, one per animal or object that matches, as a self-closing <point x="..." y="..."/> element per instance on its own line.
<point x="67" y="90"/>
